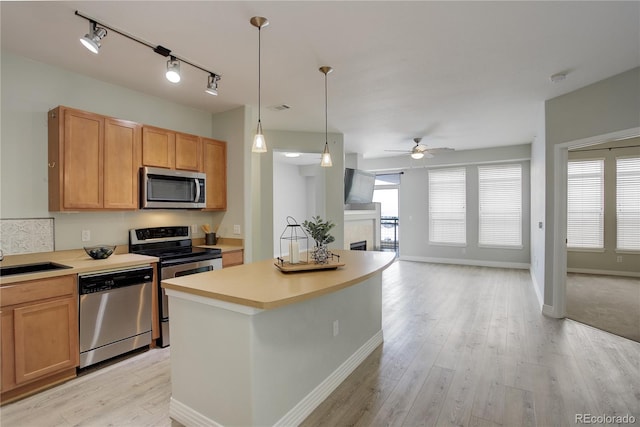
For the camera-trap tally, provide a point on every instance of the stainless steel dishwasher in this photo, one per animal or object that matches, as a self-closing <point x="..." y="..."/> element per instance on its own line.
<point x="114" y="312"/>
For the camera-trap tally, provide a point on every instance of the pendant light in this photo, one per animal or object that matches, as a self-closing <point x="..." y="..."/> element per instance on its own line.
<point x="326" y="156"/>
<point x="259" y="144"/>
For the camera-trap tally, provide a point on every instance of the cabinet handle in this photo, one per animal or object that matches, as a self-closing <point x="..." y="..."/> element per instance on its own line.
<point x="52" y="165"/>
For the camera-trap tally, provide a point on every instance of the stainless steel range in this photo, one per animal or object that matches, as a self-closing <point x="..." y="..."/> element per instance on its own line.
<point x="178" y="257"/>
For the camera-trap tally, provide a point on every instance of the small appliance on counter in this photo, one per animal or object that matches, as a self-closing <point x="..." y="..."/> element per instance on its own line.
<point x="178" y="257"/>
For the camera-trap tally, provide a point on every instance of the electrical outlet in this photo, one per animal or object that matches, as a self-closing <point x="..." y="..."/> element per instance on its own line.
<point x="236" y="229"/>
<point x="619" y="258"/>
<point x="86" y="235"/>
<point x="336" y="328"/>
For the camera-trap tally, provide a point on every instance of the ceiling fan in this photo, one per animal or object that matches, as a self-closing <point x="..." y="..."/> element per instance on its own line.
<point x="420" y="150"/>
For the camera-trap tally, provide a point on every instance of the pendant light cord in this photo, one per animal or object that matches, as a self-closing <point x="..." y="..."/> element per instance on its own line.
<point x="326" y="110"/>
<point x="259" y="73"/>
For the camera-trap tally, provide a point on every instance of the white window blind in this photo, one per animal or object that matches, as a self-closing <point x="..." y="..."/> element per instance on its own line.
<point x="500" y="202"/>
<point x="628" y="203"/>
<point x="585" y="204"/>
<point x="447" y="206"/>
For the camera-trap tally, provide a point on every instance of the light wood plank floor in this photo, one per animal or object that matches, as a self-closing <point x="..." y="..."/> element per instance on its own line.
<point x="463" y="346"/>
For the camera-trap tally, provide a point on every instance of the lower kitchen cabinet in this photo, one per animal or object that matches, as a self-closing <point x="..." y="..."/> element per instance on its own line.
<point x="39" y="342"/>
<point x="231" y="258"/>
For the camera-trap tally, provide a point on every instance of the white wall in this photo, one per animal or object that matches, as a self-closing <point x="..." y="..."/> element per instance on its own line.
<point x="263" y="187"/>
<point x="28" y="90"/>
<point x="413" y="213"/>
<point x="609" y="106"/>
<point x="538" y="225"/>
<point x="289" y="199"/>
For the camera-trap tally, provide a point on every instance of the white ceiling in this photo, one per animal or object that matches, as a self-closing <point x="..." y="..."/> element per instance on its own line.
<point x="460" y="74"/>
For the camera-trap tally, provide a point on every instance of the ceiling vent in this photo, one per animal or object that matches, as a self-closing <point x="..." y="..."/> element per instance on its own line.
<point x="279" y="107"/>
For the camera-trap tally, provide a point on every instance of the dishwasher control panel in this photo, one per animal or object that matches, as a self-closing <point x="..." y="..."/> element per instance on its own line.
<point x="105" y="281"/>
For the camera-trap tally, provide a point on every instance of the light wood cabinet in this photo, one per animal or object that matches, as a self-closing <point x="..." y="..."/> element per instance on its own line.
<point x="214" y="161"/>
<point x="229" y="259"/>
<point x="39" y="342"/>
<point x="93" y="161"/>
<point x="164" y="148"/>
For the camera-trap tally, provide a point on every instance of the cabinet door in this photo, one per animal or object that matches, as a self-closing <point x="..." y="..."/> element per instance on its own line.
<point x="82" y="166"/>
<point x="121" y="164"/>
<point x="46" y="338"/>
<point x="7" y="366"/>
<point x="215" y="166"/>
<point x="188" y="152"/>
<point x="158" y="147"/>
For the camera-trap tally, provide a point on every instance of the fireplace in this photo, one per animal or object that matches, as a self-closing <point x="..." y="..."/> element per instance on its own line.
<point x="358" y="246"/>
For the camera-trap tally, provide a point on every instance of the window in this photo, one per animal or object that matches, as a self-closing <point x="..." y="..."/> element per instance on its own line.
<point x="500" y="216"/>
<point x="585" y="204"/>
<point x="628" y="203"/>
<point x="447" y="206"/>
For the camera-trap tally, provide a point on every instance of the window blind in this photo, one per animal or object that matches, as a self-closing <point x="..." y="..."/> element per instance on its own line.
<point x="500" y="203"/>
<point x="628" y="203"/>
<point x="447" y="206"/>
<point x="585" y="204"/>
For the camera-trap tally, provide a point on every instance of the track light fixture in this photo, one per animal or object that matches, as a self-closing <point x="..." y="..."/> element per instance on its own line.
<point x="259" y="143"/>
<point x="97" y="30"/>
<point x="326" y="162"/>
<point x="173" y="70"/>
<point x="212" y="84"/>
<point x="92" y="39"/>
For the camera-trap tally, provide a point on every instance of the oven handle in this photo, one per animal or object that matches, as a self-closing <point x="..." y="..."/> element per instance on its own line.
<point x="197" y="189"/>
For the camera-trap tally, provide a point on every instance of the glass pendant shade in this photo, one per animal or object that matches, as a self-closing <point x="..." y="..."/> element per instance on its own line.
<point x="173" y="70"/>
<point x="326" y="162"/>
<point x="259" y="143"/>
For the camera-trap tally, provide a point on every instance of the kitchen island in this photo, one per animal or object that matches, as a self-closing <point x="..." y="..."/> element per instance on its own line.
<point x="252" y="345"/>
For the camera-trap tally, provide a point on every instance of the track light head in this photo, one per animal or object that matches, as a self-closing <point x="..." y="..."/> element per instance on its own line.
<point x="173" y="70"/>
<point x="92" y="40"/>
<point x="212" y="84"/>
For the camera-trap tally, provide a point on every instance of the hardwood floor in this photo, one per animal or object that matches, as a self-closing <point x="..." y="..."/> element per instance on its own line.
<point x="463" y="346"/>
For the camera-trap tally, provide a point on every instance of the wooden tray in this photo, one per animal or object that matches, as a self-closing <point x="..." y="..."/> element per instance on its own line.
<point x="287" y="267"/>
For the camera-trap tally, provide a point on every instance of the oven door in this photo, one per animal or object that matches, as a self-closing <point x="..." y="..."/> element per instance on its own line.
<point x="178" y="270"/>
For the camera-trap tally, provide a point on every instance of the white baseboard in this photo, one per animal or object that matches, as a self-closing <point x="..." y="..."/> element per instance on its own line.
<point x="603" y="272"/>
<point x="537" y="289"/>
<point x="547" y="310"/>
<point x="461" y="261"/>
<point x="185" y="415"/>
<point x="311" y="401"/>
<point x="189" y="417"/>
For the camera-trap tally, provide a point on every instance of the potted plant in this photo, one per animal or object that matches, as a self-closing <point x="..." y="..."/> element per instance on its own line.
<point x="319" y="231"/>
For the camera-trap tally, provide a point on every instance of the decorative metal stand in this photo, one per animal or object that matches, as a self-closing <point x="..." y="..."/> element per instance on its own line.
<point x="293" y="236"/>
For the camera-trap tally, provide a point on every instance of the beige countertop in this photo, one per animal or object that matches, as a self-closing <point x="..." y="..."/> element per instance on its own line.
<point x="78" y="260"/>
<point x="262" y="285"/>
<point x="224" y="248"/>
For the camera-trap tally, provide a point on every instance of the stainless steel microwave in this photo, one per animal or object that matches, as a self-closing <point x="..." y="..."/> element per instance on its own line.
<point x="172" y="189"/>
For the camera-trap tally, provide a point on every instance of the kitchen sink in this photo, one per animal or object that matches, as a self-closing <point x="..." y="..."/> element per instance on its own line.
<point x="31" y="268"/>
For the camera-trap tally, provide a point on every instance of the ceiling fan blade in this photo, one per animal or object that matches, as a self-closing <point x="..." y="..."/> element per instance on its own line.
<point x="399" y="151"/>
<point x="442" y="149"/>
<point x="428" y="155"/>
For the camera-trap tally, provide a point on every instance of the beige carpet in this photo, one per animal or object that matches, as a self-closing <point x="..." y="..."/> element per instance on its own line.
<point x="609" y="303"/>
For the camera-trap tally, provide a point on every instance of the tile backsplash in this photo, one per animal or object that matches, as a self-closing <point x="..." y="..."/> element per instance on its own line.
<point x="22" y="236"/>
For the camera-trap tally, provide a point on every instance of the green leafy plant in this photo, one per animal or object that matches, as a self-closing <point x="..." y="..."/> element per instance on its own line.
<point x="319" y="230"/>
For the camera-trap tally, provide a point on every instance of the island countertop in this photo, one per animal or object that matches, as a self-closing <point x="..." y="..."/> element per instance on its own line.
<point x="262" y="285"/>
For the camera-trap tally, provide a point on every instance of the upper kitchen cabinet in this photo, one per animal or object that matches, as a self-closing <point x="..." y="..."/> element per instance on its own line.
<point x="93" y="161"/>
<point x="214" y="162"/>
<point x="164" y="148"/>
